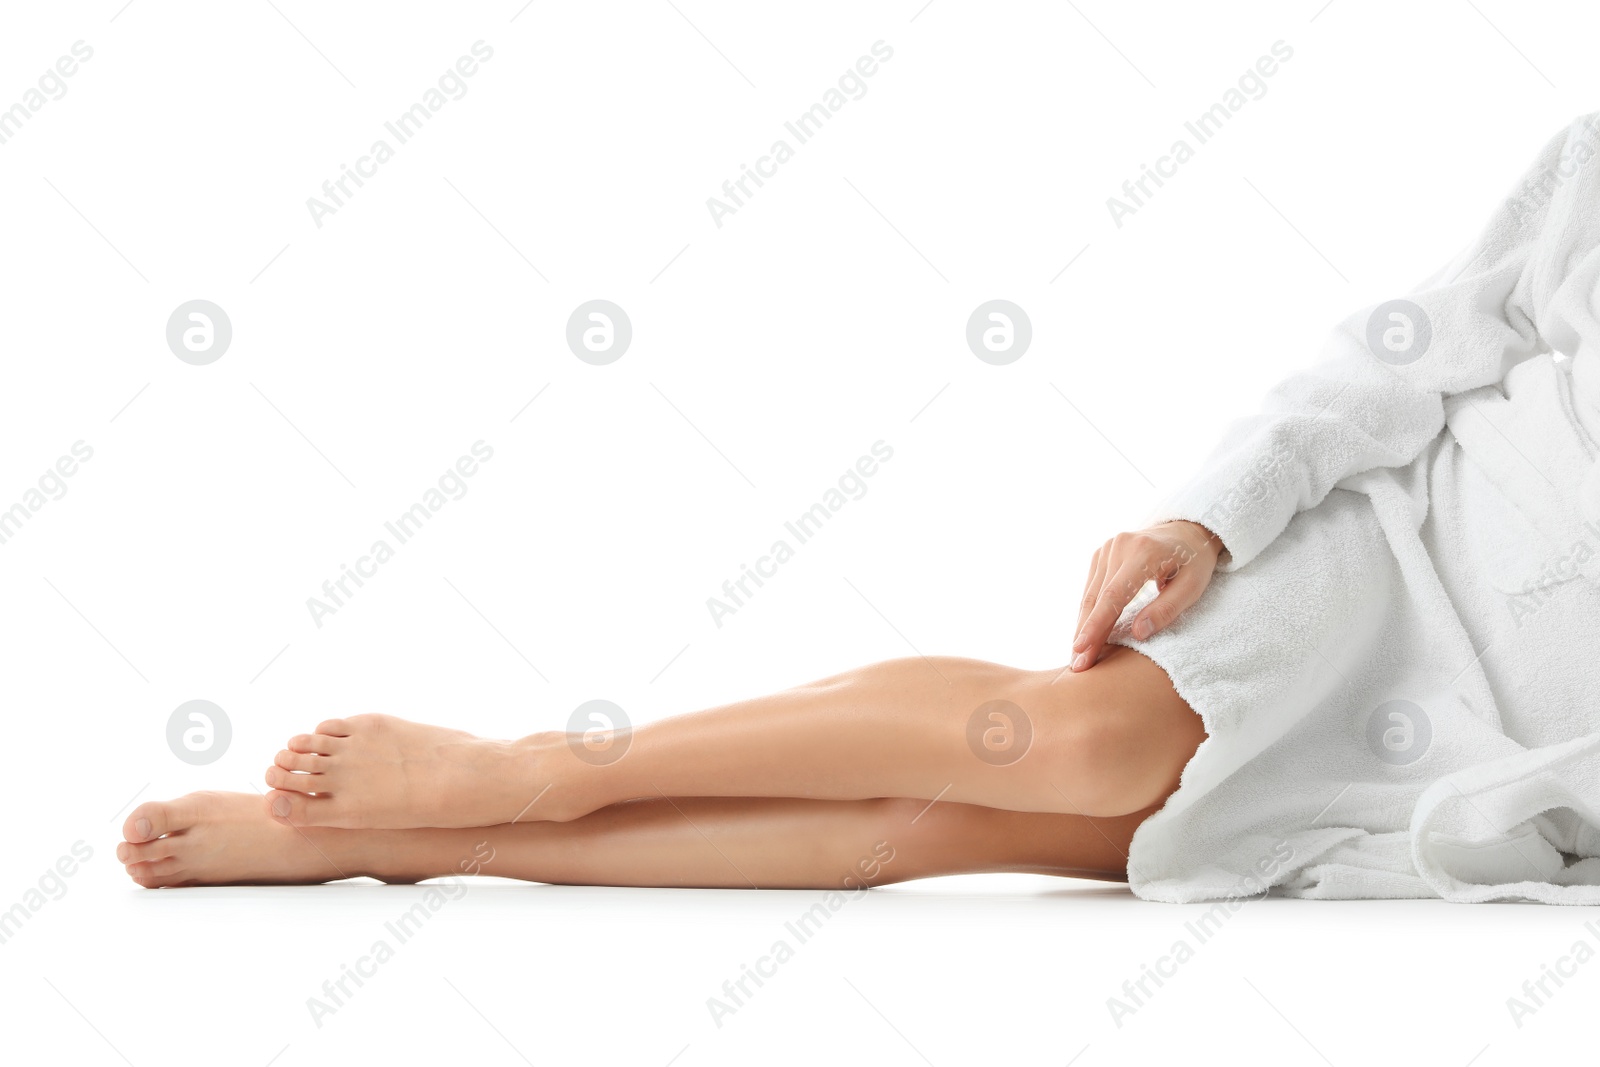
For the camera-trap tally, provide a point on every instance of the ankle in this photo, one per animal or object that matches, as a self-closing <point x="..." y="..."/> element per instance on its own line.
<point x="354" y="853"/>
<point x="400" y="857"/>
<point x="564" y="782"/>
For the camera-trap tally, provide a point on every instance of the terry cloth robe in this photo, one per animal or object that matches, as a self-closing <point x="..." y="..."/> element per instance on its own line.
<point x="1398" y="660"/>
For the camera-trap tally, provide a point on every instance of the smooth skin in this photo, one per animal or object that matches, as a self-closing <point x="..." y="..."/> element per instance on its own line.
<point x="805" y="788"/>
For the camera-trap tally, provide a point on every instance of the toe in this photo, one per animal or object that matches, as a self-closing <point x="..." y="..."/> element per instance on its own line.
<point x="301" y="761"/>
<point x="326" y="744"/>
<point x="156" y="873"/>
<point x="156" y="817"/>
<point x="334" y="728"/>
<point x="278" y="778"/>
<point x="147" y="852"/>
<point x="297" y="809"/>
<point x="290" y="807"/>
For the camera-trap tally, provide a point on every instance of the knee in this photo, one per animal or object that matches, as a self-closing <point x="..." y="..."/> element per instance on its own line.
<point x="895" y="838"/>
<point x="1100" y="756"/>
<point x="1091" y="761"/>
<point x="908" y="823"/>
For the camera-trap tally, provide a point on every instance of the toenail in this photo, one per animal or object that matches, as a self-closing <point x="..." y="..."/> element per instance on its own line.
<point x="143" y="828"/>
<point x="280" y="807"/>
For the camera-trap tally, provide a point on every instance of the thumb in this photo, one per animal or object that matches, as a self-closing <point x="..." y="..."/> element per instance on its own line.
<point x="1176" y="596"/>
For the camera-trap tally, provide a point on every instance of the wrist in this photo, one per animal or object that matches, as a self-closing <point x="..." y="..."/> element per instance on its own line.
<point x="1202" y="538"/>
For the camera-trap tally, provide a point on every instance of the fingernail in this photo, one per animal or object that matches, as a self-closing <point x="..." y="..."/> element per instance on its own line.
<point x="1081" y="662"/>
<point x="142" y="828"/>
<point x="1143" y="628"/>
<point x="280" y="807"/>
<point x="1081" y="643"/>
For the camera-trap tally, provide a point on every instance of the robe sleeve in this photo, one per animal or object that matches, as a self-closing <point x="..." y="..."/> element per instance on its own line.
<point x="1376" y="396"/>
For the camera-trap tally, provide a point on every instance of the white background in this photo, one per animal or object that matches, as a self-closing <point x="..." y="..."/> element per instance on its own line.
<point x="768" y="354"/>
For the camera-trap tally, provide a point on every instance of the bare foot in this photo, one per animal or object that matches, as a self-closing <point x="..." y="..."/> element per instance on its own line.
<point x="378" y="772"/>
<point x="228" y="839"/>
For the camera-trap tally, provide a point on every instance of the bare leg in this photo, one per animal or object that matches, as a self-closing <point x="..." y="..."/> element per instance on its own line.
<point x="227" y="839"/>
<point x="1106" y="742"/>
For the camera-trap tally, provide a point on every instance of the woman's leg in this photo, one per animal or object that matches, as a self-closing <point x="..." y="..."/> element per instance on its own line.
<point x="1105" y="742"/>
<point x="228" y="839"/>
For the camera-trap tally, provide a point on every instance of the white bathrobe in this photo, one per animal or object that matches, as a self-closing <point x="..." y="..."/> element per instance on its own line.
<point x="1396" y="661"/>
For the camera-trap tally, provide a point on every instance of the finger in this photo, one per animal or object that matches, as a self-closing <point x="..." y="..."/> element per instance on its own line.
<point x="1173" y="599"/>
<point x="1115" y="595"/>
<point x="1091" y="593"/>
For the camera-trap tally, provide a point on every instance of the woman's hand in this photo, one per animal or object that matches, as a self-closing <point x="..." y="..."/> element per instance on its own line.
<point x="1181" y="556"/>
